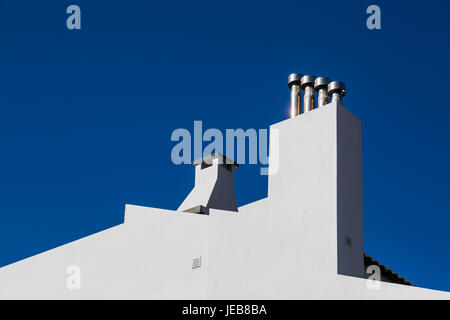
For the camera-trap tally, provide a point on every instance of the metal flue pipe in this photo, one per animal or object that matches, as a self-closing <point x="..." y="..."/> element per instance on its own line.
<point x="336" y="90"/>
<point x="321" y="86"/>
<point x="294" y="85"/>
<point x="307" y="84"/>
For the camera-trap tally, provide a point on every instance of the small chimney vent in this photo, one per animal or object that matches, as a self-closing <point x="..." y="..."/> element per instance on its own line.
<point x="307" y="84"/>
<point x="294" y="80"/>
<point x="336" y="90"/>
<point x="321" y="86"/>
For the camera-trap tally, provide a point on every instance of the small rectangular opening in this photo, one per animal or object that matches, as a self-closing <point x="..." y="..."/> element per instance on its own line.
<point x="348" y="240"/>
<point x="205" y="165"/>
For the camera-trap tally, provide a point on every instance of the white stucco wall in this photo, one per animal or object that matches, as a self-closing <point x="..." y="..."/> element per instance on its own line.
<point x="286" y="246"/>
<point x="149" y="256"/>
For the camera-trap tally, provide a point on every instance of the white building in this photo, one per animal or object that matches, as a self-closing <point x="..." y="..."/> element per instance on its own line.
<point x="304" y="241"/>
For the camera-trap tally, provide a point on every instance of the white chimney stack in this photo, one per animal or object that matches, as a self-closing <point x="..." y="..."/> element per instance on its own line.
<point x="214" y="186"/>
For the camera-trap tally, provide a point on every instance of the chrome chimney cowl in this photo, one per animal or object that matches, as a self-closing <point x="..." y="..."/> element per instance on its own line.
<point x="294" y="85"/>
<point x="336" y="90"/>
<point x="321" y="86"/>
<point x="307" y="84"/>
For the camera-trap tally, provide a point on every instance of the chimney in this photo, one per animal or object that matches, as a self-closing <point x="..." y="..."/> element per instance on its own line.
<point x="324" y="87"/>
<point x="296" y="98"/>
<point x="336" y="90"/>
<point x="321" y="86"/>
<point x="214" y="186"/>
<point x="307" y="84"/>
<point x="317" y="188"/>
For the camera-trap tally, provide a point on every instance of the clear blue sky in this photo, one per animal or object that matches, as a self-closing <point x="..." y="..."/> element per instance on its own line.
<point x="86" y="116"/>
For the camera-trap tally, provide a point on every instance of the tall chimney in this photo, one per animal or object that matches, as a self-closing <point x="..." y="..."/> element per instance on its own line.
<point x="321" y="86"/>
<point x="336" y="90"/>
<point x="294" y="85"/>
<point x="307" y="84"/>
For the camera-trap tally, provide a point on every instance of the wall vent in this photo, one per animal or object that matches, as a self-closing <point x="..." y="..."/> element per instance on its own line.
<point x="348" y="240"/>
<point x="197" y="263"/>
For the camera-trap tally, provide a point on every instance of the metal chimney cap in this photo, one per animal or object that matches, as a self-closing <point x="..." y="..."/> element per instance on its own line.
<point x="294" y="78"/>
<point x="336" y="86"/>
<point x="321" y="83"/>
<point x="307" y="81"/>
